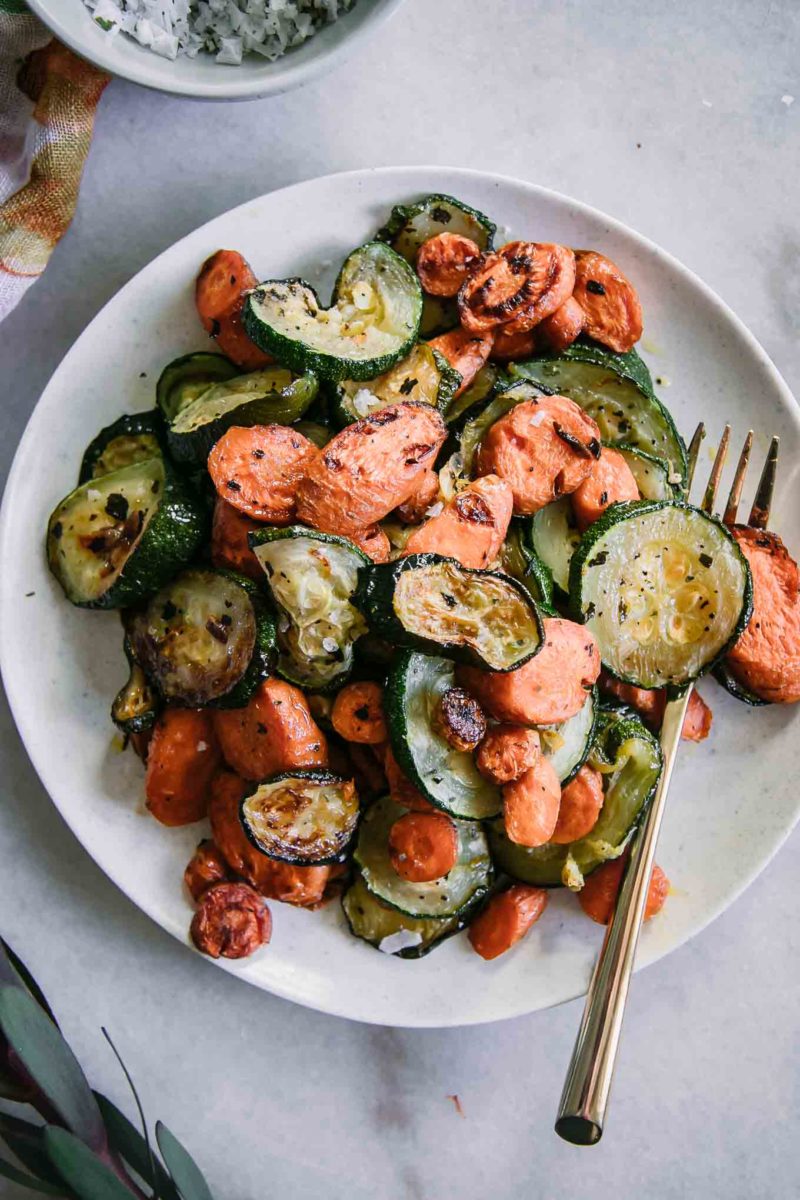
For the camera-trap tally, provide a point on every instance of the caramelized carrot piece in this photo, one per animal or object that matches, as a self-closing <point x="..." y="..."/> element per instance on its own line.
<point x="425" y="493"/>
<point x="466" y="352"/>
<point x="182" y="758"/>
<point x="599" y="893"/>
<point x="445" y="261"/>
<point x="507" y="752"/>
<point x="423" y="846"/>
<point x="650" y="703"/>
<point x="258" y="470"/>
<point x="273" y="732"/>
<point x="206" y="867"/>
<point x="506" y="919"/>
<point x="766" y="658"/>
<point x="549" y="687"/>
<point x="373" y="541"/>
<point x="611" y="481"/>
<point x="223" y="282"/>
<point x="530" y="805"/>
<point x="509" y="346"/>
<point x="581" y="801"/>
<point x="229" y="545"/>
<point x="471" y="527"/>
<point x="697" y="722"/>
<point x="401" y="789"/>
<point x="544" y="448"/>
<point x="232" y="921"/>
<point x="559" y="331"/>
<point x="517" y="287"/>
<point x="459" y="719"/>
<point x="357" y="713"/>
<point x="609" y="301"/>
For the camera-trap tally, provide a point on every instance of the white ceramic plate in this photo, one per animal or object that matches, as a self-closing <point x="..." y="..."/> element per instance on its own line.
<point x="734" y="798"/>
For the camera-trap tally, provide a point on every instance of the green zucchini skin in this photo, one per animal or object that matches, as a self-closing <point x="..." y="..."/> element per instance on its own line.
<point x="137" y="704"/>
<point x="627" y="797"/>
<point x="486" y="384"/>
<point x="575" y="762"/>
<point x="185" y="378"/>
<point x="653" y="475"/>
<point x="258" y="407"/>
<point x="338" y="840"/>
<point x="375" y="597"/>
<point x="408" y="390"/>
<point x="374" y="923"/>
<point x="726" y="678"/>
<point x="138" y="436"/>
<point x="553" y="536"/>
<point x="519" y="559"/>
<point x="300" y="354"/>
<point x="587" y="553"/>
<point x="175" y="533"/>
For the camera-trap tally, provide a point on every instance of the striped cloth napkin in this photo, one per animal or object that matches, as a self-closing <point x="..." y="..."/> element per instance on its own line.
<point x="48" y="98"/>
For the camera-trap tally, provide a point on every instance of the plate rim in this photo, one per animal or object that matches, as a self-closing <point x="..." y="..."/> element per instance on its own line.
<point x="14" y="482"/>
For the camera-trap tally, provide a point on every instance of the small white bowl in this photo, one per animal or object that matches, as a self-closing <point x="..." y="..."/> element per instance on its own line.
<point x="202" y="77"/>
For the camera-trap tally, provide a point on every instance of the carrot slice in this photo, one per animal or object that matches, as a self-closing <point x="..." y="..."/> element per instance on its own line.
<point x="232" y="921"/>
<point x="507" y="752"/>
<point x="509" y="346"/>
<point x="517" y="287"/>
<point x="611" y="482"/>
<point x="506" y="919"/>
<point x="650" y="704"/>
<point x="766" y="658"/>
<point x="220" y="290"/>
<point x="206" y="867"/>
<point x="609" y="301"/>
<point x="471" y="527"/>
<point x="258" y="470"/>
<point x="423" y="846"/>
<point x="530" y="805"/>
<point x="459" y="719"/>
<point x="581" y="801"/>
<point x="357" y="713"/>
<point x="445" y="261"/>
<point x="373" y="541"/>
<point x="599" y="893"/>
<point x="413" y="510"/>
<point x="229" y="546"/>
<point x="273" y="732"/>
<point x="401" y="789"/>
<point x="466" y="352"/>
<point x="560" y="330"/>
<point x="182" y="758"/>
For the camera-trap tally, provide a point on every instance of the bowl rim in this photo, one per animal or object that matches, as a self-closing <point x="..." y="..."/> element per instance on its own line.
<point x="230" y="87"/>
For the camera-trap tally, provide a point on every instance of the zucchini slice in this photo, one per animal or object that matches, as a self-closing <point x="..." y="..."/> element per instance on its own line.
<point x="312" y="577"/>
<point x="315" y="431"/>
<point x="373" y="319"/>
<point x="205" y="638"/>
<point x="389" y="930"/>
<point x="479" y="392"/>
<point x="555" y="537"/>
<point x="305" y="816"/>
<point x="617" y="391"/>
<point x="726" y="678"/>
<point x="448" y="778"/>
<point x="450" y="896"/>
<point x="569" y="743"/>
<point x="663" y="587"/>
<point x="519" y="559"/>
<point x="653" y="476"/>
<point x="410" y="225"/>
<point x="268" y="397"/>
<point x="132" y="438"/>
<point x="115" y="540"/>
<point x="187" y="377"/>
<point x="629" y="757"/>
<point x="136" y="704"/>
<point x="430" y="603"/>
<point x="423" y="375"/>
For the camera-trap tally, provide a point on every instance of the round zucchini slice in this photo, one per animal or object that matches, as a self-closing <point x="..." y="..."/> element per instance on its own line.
<point x="312" y="577"/>
<point x="629" y="758"/>
<point x="305" y="816"/>
<point x="449" y="896"/>
<point x="664" y="588"/>
<point x="115" y="540"/>
<point x="519" y="559"/>
<point x="616" y="391"/>
<point x="653" y="476"/>
<point x="136" y="704"/>
<point x="430" y="603"/>
<point x="424" y="376"/>
<point x="448" y="778"/>
<point x="187" y="377"/>
<point x="479" y="392"/>
<point x="389" y="930"/>
<point x="372" y="322"/>
<point x="268" y="397"/>
<point x="555" y="537"/>
<point x="569" y="743"/>
<point x="130" y="439"/>
<point x="205" y="638"/>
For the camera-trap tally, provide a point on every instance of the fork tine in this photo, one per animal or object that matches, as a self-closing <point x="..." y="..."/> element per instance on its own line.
<point x="710" y="495"/>
<point x="735" y="494"/>
<point x="759" y="513"/>
<point x="692" y="454"/>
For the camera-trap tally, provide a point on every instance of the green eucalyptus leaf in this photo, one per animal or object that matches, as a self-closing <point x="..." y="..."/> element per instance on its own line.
<point x="13" y="970"/>
<point x="132" y="1086"/>
<point x="125" y="1139"/>
<point x="182" y="1167"/>
<point x="9" y="1171"/>
<point x="50" y="1064"/>
<point x="26" y="1142"/>
<point x="89" y="1178"/>
<point x="11" y="1090"/>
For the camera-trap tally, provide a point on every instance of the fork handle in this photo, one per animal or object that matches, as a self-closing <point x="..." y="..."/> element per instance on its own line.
<point x="583" y="1102"/>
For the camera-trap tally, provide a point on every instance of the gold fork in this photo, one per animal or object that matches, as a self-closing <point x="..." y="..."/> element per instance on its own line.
<point x="582" y="1110"/>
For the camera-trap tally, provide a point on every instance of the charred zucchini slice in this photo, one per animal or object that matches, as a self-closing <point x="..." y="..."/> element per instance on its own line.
<point x="663" y="587"/>
<point x="426" y="602"/>
<point x="136" y="704"/>
<point x="187" y="377"/>
<point x="423" y="375"/>
<point x="654" y="478"/>
<point x="312" y="577"/>
<point x="268" y="397"/>
<point x="569" y="743"/>
<point x="205" y="638"/>
<point x="116" y="539"/>
<point x="629" y="757"/>
<point x="389" y="930"/>
<point x="479" y="392"/>
<point x="132" y="438"/>
<point x="305" y="816"/>
<point x="448" y="778"/>
<point x="555" y="537"/>
<point x="450" y="896"/>
<point x="372" y="322"/>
